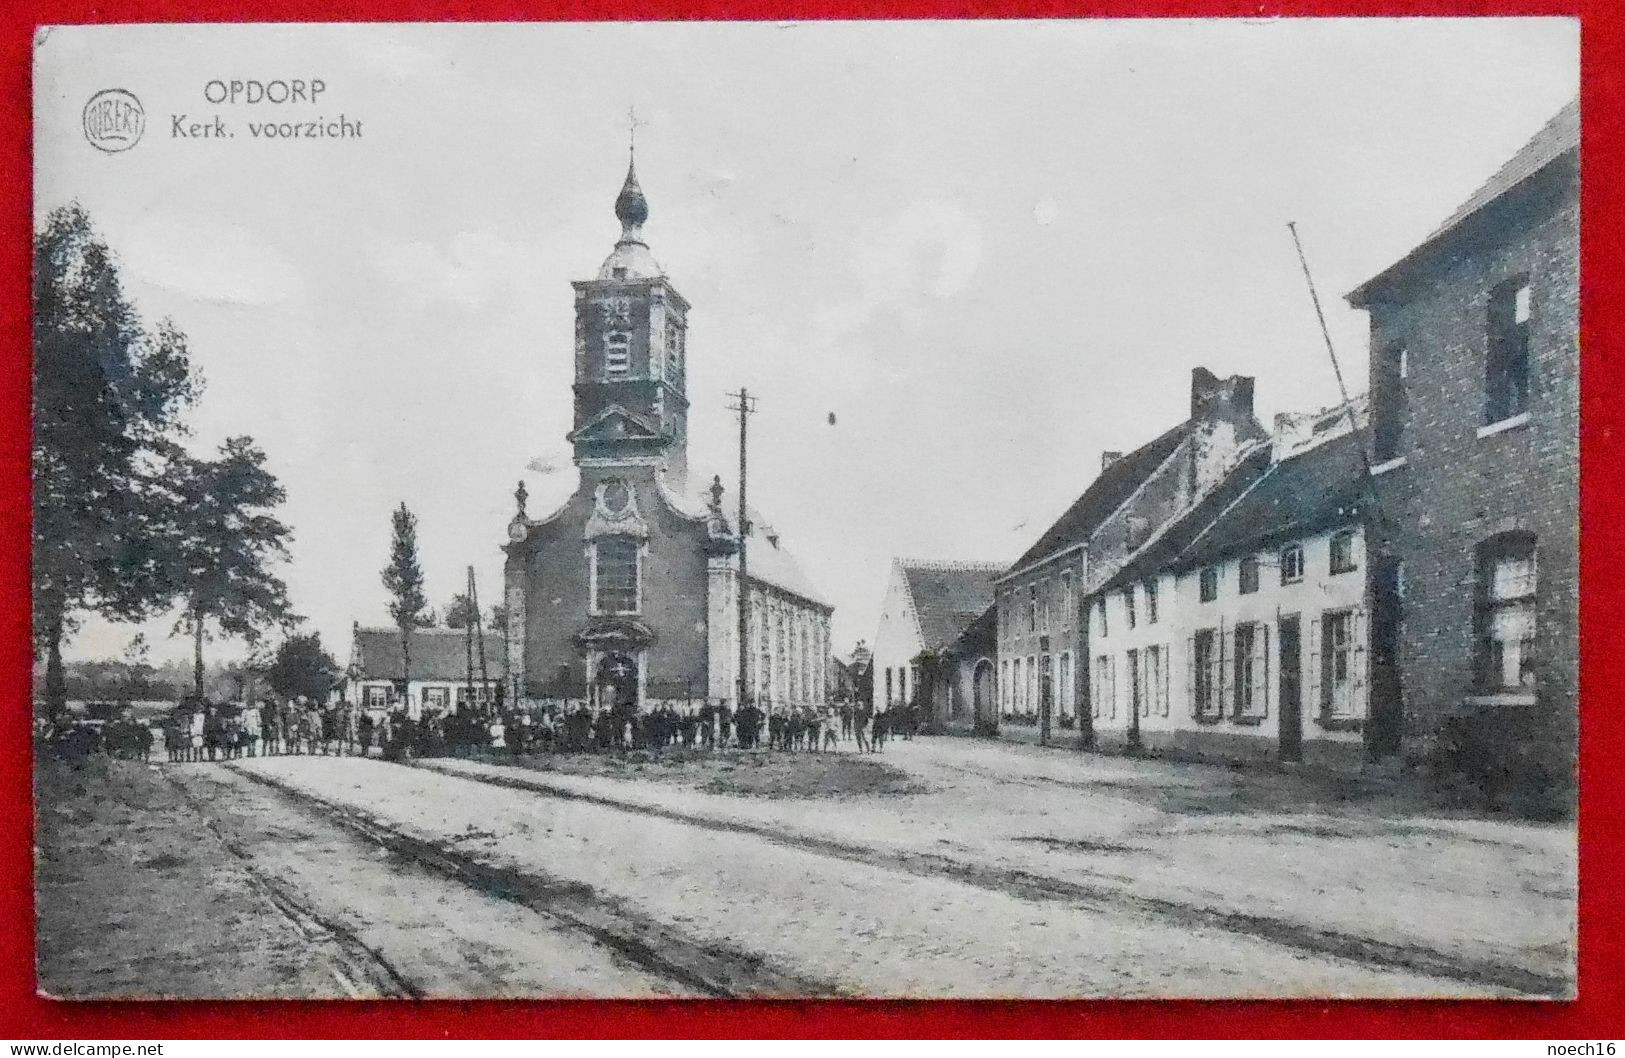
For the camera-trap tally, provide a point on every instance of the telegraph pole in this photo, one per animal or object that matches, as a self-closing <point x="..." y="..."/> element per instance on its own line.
<point x="745" y="405"/>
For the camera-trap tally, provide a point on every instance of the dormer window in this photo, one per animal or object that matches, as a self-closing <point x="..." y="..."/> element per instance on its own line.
<point x="617" y="354"/>
<point x="617" y="273"/>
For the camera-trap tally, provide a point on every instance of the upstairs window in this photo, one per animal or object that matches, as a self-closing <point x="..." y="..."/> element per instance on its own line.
<point x="1209" y="584"/>
<point x="1248" y="568"/>
<point x="1032" y="607"/>
<point x="1506" y="368"/>
<point x="615" y="575"/>
<point x="1067" y="600"/>
<point x="1342" y="552"/>
<point x="1506" y="612"/>
<point x="1100" y="607"/>
<point x="1129" y="615"/>
<point x="1388" y="403"/>
<point x="617" y="354"/>
<point x="1151" y="602"/>
<point x="1291" y="564"/>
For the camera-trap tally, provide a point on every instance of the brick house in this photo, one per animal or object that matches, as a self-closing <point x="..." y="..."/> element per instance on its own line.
<point x="627" y="593"/>
<point x="1475" y="450"/>
<point x="1045" y="598"/>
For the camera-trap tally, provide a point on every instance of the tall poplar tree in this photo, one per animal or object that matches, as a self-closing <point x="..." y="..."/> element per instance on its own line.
<point x="403" y="579"/>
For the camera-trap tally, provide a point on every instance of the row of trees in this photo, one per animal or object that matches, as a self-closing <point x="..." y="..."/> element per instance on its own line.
<point x="128" y="523"/>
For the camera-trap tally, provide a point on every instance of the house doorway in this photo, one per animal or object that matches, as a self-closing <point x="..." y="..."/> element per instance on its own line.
<point x="1387" y="699"/>
<point x="1291" y="689"/>
<point x="982" y="684"/>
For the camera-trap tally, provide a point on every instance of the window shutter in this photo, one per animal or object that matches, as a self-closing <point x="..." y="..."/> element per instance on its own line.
<point x="1147" y="694"/>
<point x="1357" y="696"/>
<point x="1164" y="660"/>
<point x="1313" y="699"/>
<point x="1263" y="685"/>
<point x="1222" y="684"/>
<point x="1111" y="681"/>
<point x="1190" y="674"/>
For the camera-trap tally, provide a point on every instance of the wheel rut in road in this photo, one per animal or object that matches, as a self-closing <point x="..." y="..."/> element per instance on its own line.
<point x="1296" y="935"/>
<point x="362" y="971"/>
<point x="655" y="947"/>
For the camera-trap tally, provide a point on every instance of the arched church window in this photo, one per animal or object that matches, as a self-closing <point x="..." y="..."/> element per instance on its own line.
<point x="615" y="575"/>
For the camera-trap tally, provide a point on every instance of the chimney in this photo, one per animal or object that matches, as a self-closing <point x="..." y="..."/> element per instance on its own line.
<point x="1211" y="394"/>
<point x="1108" y="458"/>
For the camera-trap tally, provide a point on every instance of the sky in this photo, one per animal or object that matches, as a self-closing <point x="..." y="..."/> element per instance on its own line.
<point x="991" y="250"/>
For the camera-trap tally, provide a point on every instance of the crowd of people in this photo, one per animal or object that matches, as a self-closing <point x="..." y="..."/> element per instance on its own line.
<point x="198" y="730"/>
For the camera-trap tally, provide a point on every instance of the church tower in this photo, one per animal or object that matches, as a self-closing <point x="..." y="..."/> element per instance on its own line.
<point x="631" y="367"/>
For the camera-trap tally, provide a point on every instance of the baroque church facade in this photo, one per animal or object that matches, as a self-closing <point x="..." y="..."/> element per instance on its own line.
<point x="627" y="595"/>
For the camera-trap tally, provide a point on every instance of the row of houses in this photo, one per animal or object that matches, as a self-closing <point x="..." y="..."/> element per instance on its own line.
<point x="1392" y="577"/>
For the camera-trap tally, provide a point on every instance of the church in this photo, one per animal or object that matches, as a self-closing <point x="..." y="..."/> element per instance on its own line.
<point x="628" y="594"/>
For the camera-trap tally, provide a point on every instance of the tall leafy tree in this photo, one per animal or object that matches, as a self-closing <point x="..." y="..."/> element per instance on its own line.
<point x="228" y="540"/>
<point x="108" y="400"/>
<point x="302" y="666"/>
<point x="403" y="579"/>
<point x="498" y="621"/>
<point x="460" y="612"/>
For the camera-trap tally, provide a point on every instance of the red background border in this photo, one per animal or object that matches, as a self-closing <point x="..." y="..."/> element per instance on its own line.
<point x="1602" y="899"/>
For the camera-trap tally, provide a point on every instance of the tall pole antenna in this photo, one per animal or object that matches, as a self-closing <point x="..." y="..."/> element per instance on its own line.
<point x="1337" y="369"/>
<point x="468" y="645"/>
<point x="745" y="405"/>
<point x="478" y="624"/>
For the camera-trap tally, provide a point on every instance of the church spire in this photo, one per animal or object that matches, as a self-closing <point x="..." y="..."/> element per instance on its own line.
<point x="631" y="208"/>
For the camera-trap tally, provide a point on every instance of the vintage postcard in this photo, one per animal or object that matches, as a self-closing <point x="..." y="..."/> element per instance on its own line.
<point x="899" y="509"/>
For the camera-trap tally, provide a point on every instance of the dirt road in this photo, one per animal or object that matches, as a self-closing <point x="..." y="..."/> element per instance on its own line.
<point x="958" y="870"/>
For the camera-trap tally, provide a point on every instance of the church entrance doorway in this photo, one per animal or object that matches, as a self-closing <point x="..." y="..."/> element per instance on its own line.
<point x="618" y="681"/>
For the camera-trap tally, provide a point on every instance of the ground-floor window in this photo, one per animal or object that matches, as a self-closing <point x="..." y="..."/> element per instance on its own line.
<point x="1156" y="682"/>
<point x="1030" y="691"/>
<point x="1337" y="664"/>
<point x="1136" y="684"/>
<point x="1251" y="686"/>
<point x="1205" y="675"/>
<point x="1105" y="687"/>
<point x="377" y="695"/>
<point x="436" y="697"/>
<point x="1506" y="613"/>
<point x="1063" y="681"/>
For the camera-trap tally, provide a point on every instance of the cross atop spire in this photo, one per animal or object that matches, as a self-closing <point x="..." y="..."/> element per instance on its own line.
<point x="632" y="126"/>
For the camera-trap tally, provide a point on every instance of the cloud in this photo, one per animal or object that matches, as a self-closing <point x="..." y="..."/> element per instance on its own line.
<point x="209" y="262"/>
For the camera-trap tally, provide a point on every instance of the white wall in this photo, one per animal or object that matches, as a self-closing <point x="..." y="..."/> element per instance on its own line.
<point x="1182" y="614"/>
<point x="897" y="640"/>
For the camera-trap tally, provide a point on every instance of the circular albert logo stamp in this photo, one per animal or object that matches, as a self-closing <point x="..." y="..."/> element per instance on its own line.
<point x="114" y="120"/>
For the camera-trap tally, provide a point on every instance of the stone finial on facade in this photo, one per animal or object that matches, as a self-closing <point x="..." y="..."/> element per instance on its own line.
<point x="520" y="495"/>
<point x="716" y="493"/>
